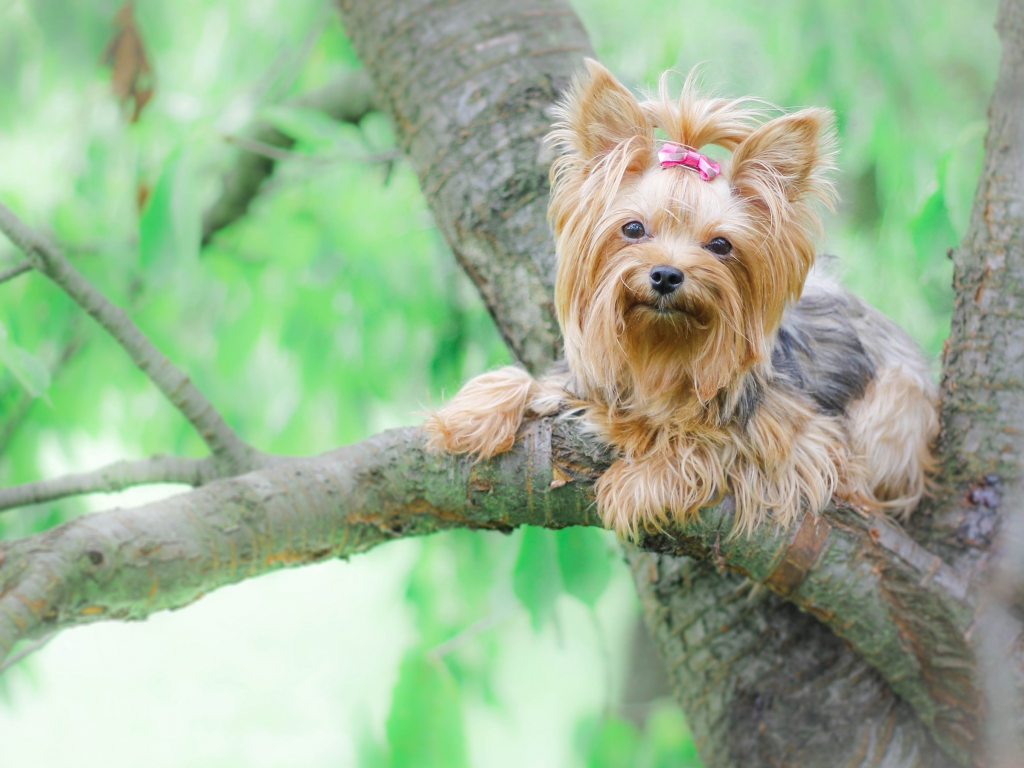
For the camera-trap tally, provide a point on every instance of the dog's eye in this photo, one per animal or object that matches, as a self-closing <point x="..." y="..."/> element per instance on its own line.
<point x="719" y="246"/>
<point x="634" y="230"/>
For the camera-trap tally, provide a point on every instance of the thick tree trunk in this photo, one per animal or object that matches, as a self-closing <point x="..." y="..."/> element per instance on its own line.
<point x="977" y="522"/>
<point x="764" y="684"/>
<point x="467" y="86"/>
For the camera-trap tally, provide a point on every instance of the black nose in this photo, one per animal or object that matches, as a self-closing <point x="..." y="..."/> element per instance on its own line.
<point x="665" y="279"/>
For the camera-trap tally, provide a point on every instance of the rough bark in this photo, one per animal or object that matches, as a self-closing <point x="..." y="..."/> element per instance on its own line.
<point x="771" y="686"/>
<point x="978" y="519"/>
<point x="127" y="564"/>
<point x="467" y="85"/>
<point x="983" y="371"/>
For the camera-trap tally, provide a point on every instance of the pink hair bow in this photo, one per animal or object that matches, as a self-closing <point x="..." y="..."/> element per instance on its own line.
<point x="674" y="154"/>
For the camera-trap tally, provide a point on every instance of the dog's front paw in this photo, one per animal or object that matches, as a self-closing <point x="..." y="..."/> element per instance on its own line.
<point x="484" y="417"/>
<point x="645" y="494"/>
<point x="459" y="430"/>
<point x="629" y="500"/>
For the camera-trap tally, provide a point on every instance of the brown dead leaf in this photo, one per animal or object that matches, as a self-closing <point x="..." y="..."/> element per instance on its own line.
<point x="142" y="192"/>
<point x="132" y="77"/>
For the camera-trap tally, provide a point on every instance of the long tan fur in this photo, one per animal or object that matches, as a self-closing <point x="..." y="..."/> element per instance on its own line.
<point x="695" y="391"/>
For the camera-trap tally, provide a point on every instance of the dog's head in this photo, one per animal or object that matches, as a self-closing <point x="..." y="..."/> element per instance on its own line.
<point x="670" y="284"/>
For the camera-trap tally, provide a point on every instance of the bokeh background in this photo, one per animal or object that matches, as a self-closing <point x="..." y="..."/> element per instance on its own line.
<point x="463" y="649"/>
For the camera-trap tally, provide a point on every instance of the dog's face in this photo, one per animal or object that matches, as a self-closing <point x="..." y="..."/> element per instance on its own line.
<point x="669" y="285"/>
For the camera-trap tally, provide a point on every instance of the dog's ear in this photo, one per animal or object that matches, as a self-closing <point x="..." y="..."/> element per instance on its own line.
<point x="599" y="112"/>
<point x="786" y="161"/>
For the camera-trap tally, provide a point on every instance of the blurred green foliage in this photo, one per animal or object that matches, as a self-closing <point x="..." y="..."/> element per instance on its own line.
<point x="425" y="728"/>
<point x="333" y="309"/>
<point x="613" y="742"/>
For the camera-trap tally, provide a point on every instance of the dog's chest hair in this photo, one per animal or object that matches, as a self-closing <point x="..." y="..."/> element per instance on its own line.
<point x="817" y="352"/>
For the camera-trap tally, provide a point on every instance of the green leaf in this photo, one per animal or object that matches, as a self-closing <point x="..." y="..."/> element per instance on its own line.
<point x="29" y="370"/>
<point x="931" y="231"/>
<point x="584" y="561"/>
<point x="370" y="753"/>
<point x="424" y="728"/>
<point x="668" y="738"/>
<point x="535" y="578"/>
<point x="961" y="175"/>
<point x="170" y="227"/>
<point x="608" y="743"/>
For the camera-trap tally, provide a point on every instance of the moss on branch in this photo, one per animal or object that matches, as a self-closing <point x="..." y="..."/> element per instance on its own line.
<point x="897" y="605"/>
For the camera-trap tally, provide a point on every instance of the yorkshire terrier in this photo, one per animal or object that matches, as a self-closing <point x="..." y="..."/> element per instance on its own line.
<point x="700" y="344"/>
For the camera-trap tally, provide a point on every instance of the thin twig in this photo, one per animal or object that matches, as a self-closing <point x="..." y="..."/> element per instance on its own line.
<point x="462" y="637"/>
<point x="347" y="99"/>
<point x="276" y="153"/>
<point x="112" y="478"/>
<point x="12" y="272"/>
<point x="263" y="149"/>
<point x="286" y="66"/>
<point x="225" y="445"/>
<point x="28" y="650"/>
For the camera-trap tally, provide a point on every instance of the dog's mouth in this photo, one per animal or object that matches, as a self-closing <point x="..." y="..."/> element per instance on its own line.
<point x="672" y="309"/>
<point x="666" y="308"/>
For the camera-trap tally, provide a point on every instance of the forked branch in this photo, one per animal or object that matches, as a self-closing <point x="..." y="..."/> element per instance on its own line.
<point x="897" y="605"/>
<point x="114" y="477"/>
<point x="13" y="271"/>
<point x="348" y="98"/>
<point x="226" y="446"/>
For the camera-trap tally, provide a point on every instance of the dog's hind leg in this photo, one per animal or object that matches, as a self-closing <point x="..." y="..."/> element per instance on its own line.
<point x="891" y="430"/>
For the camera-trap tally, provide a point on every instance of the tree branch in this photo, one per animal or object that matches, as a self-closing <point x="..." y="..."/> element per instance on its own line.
<point x="114" y="477"/>
<point x="175" y="385"/>
<point x="27" y="651"/>
<point x="348" y="99"/>
<point x="12" y="272"/>
<point x="278" y="154"/>
<point x="855" y="575"/>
